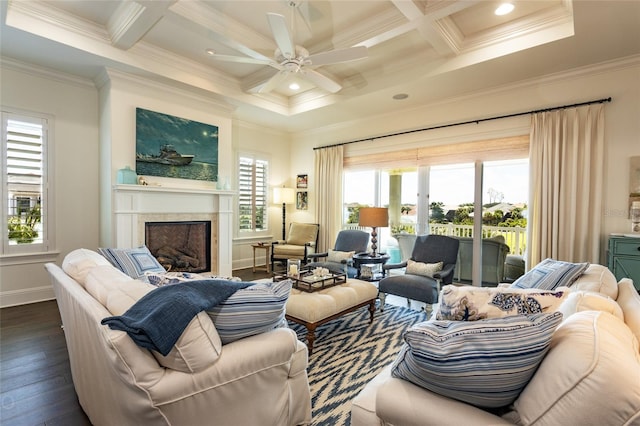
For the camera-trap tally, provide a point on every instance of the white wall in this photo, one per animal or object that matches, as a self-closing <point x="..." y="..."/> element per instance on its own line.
<point x="74" y="104"/>
<point x="619" y="80"/>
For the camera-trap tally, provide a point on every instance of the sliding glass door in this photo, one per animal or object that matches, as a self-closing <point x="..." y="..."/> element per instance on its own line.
<point x="463" y="200"/>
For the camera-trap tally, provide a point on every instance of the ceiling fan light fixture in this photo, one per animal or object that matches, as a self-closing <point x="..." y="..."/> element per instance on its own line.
<point x="504" y="9"/>
<point x="294" y="86"/>
<point x="210" y="52"/>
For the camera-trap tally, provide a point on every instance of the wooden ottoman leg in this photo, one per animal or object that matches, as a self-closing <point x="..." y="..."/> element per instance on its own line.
<point x="311" y="336"/>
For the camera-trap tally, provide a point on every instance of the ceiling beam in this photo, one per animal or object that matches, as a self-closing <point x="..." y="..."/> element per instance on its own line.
<point x="133" y="19"/>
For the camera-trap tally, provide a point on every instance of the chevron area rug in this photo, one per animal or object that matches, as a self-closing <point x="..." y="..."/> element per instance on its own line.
<point x="348" y="352"/>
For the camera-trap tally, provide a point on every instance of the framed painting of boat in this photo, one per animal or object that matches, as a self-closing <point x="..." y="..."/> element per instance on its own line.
<point x="174" y="147"/>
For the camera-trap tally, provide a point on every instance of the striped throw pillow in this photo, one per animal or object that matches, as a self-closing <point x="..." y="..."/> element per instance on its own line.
<point x="486" y="363"/>
<point x="133" y="262"/>
<point x="252" y="310"/>
<point x="551" y="274"/>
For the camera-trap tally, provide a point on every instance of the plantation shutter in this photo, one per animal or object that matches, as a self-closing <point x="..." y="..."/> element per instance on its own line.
<point x="252" y="189"/>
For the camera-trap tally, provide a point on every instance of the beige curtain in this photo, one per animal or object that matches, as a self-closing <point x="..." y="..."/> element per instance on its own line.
<point x="566" y="171"/>
<point x="328" y="175"/>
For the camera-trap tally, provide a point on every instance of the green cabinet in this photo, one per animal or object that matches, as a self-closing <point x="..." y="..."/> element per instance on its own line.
<point x="624" y="258"/>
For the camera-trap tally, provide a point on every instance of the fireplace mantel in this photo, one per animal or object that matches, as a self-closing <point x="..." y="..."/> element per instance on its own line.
<point x="133" y="205"/>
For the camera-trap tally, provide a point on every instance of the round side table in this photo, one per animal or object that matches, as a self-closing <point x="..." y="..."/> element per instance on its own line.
<point x="363" y="261"/>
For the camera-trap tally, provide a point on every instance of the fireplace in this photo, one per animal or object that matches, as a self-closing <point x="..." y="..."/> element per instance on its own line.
<point x="136" y="205"/>
<point x="183" y="246"/>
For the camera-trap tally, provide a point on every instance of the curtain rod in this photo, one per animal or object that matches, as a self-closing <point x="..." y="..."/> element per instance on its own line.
<point x="477" y="121"/>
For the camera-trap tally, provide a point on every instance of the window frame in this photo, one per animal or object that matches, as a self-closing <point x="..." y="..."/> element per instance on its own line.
<point x="47" y="245"/>
<point x="255" y="157"/>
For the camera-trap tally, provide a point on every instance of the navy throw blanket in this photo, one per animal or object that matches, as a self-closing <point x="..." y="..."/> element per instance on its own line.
<point x="157" y="320"/>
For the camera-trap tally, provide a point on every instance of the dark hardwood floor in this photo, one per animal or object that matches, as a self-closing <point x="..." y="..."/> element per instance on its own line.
<point x="35" y="378"/>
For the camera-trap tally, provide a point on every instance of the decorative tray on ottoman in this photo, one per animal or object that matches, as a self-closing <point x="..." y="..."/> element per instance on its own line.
<point x="307" y="281"/>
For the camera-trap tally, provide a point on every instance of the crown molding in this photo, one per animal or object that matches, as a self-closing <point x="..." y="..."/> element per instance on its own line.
<point x="33" y="14"/>
<point x="550" y="24"/>
<point x="43" y="72"/>
<point x="115" y="76"/>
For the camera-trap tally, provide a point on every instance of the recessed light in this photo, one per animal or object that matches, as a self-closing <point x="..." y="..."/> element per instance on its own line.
<point x="400" y="96"/>
<point x="210" y="52"/>
<point x="504" y="8"/>
<point x="294" y="86"/>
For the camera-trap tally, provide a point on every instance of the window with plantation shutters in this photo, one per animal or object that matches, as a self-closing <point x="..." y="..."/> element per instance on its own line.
<point x="24" y="183"/>
<point x="252" y="193"/>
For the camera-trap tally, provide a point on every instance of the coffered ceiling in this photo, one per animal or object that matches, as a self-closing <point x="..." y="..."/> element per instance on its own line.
<point x="427" y="49"/>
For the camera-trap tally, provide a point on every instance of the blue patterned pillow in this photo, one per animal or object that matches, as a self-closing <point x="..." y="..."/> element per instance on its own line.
<point x="469" y="303"/>
<point x="252" y="310"/>
<point x="159" y="279"/>
<point x="550" y="274"/>
<point x="133" y="262"/>
<point x="486" y="363"/>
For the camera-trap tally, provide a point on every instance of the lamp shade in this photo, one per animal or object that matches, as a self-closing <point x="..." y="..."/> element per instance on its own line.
<point x="374" y="216"/>
<point x="284" y="195"/>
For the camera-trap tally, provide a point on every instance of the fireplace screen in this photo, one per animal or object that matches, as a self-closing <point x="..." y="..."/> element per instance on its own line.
<point x="180" y="246"/>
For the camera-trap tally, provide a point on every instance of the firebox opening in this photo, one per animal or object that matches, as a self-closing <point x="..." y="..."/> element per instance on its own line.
<point x="180" y="246"/>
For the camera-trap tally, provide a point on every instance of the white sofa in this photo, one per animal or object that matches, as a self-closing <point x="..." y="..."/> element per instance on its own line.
<point x="589" y="376"/>
<point x="261" y="379"/>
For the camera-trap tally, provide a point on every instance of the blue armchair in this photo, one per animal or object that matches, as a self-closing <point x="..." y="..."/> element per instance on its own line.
<point x="417" y="283"/>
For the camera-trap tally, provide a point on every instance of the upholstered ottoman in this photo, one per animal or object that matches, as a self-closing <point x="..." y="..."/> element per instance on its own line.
<point x="314" y="309"/>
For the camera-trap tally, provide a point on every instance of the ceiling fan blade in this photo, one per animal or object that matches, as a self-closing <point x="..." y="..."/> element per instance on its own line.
<point x="338" y="55"/>
<point x="281" y="35"/>
<point x="320" y="80"/>
<point x="245" y="60"/>
<point x="273" y="82"/>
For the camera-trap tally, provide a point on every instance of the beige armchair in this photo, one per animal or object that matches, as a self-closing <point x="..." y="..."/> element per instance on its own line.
<point x="302" y="241"/>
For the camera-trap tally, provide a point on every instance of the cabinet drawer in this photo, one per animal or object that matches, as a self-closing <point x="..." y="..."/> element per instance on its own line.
<point x="630" y="248"/>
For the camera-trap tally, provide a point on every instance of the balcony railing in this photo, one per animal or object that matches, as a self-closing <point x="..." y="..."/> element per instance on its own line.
<point x="515" y="238"/>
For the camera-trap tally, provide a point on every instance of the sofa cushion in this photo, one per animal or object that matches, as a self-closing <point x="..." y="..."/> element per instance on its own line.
<point x="578" y="301"/>
<point x="101" y="280"/>
<point x="550" y="274"/>
<point x="79" y="262"/>
<point x="338" y="256"/>
<point x="589" y="376"/>
<point x="629" y="302"/>
<point x="599" y="279"/>
<point x="133" y="262"/>
<point x="486" y="363"/>
<point x="468" y="303"/>
<point x="198" y="347"/>
<point x="424" y="269"/>
<point x="125" y="294"/>
<point x="252" y="310"/>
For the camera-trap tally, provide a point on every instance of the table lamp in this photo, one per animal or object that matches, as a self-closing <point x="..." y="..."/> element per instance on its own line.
<point x="374" y="217"/>
<point x="285" y="196"/>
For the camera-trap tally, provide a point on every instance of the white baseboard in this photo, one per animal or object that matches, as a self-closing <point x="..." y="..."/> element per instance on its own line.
<point x="248" y="263"/>
<point x="24" y="297"/>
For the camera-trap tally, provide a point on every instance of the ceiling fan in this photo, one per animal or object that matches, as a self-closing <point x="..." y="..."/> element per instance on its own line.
<point x="290" y="58"/>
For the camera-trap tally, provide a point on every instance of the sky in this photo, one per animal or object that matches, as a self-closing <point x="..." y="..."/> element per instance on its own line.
<point x="452" y="185"/>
